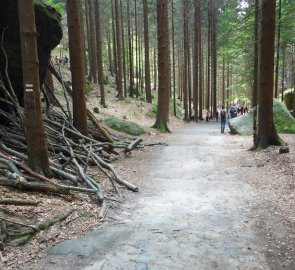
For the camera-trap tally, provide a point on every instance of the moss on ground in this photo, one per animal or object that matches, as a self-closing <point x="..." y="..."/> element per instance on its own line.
<point x="124" y="126"/>
<point x="284" y="121"/>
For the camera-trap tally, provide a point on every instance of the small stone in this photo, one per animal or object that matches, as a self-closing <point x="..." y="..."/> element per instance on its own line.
<point x="284" y="150"/>
<point x="96" y="109"/>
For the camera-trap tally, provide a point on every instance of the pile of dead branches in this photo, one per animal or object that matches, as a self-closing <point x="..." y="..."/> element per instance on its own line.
<point x="71" y="153"/>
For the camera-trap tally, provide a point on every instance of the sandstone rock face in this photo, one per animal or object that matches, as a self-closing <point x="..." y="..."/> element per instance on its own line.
<point x="49" y="35"/>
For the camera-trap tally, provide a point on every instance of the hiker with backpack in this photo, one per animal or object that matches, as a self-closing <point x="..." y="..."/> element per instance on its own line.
<point x="223" y="118"/>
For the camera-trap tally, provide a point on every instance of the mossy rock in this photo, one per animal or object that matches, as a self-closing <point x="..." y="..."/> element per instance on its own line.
<point x="124" y="126"/>
<point x="284" y="121"/>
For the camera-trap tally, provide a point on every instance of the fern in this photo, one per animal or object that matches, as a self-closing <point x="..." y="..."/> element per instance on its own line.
<point x="57" y="6"/>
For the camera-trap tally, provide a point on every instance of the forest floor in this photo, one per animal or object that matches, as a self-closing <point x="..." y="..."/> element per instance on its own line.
<point x="205" y="202"/>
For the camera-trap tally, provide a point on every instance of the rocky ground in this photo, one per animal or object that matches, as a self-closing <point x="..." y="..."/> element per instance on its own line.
<point x="269" y="175"/>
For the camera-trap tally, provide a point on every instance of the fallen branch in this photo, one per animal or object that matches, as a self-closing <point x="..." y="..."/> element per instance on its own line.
<point x="132" y="145"/>
<point x="18" y="202"/>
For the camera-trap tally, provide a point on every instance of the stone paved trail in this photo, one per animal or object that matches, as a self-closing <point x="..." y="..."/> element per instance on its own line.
<point x="192" y="213"/>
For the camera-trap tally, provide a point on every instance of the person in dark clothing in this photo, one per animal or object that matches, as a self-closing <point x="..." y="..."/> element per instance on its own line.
<point x="223" y="118"/>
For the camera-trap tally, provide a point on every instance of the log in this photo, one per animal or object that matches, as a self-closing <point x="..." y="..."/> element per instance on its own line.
<point x="21" y="202"/>
<point x="132" y="145"/>
<point x="23" y="184"/>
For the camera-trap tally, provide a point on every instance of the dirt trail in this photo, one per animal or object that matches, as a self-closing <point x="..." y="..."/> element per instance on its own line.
<point x="192" y="212"/>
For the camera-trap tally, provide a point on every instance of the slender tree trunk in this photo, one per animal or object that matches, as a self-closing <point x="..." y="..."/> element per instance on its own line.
<point x="209" y="57"/>
<point x="35" y="134"/>
<point x="111" y="68"/>
<point x="223" y="80"/>
<point x="83" y="37"/>
<point x="267" y="134"/>
<point x="99" y="53"/>
<point x="155" y="71"/>
<point x="136" y="51"/>
<point x="214" y="58"/>
<point x="114" y="44"/>
<point x="201" y="75"/>
<point x="148" y="90"/>
<point x="283" y="74"/>
<point x="123" y="52"/>
<point x="276" y="93"/>
<point x="77" y="66"/>
<point x="131" y="51"/>
<point x="173" y="57"/>
<point x="185" y="59"/>
<point x="90" y="70"/>
<point x="227" y="86"/>
<point x="163" y="66"/>
<point x="189" y="79"/>
<point x="92" y="41"/>
<point x="196" y="53"/>
<point x="119" y="49"/>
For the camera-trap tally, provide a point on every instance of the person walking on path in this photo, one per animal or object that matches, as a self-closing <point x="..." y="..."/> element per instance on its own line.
<point x="223" y="118"/>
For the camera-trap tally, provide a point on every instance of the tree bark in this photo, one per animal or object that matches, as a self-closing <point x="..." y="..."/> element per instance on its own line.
<point x="148" y="90"/>
<point x="99" y="53"/>
<point x="77" y="66"/>
<point x="267" y="134"/>
<point x="185" y="59"/>
<point x="130" y="43"/>
<point x="92" y="45"/>
<point x="196" y="92"/>
<point x="163" y="66"/>
<point x="35" y="134"/>
<point x="119" y="49"/>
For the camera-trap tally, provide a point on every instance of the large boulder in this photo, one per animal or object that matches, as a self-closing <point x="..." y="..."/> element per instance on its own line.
<point x="124" y="126"/>
<point x="284" y="121"/>
<point x="49" y="32"/>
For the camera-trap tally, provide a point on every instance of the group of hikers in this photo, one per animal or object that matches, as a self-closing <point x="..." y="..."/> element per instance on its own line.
<point x="222" y="114"/>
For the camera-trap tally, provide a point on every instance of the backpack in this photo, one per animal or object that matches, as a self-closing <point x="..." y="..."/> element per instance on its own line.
<point x="223" y="114"/>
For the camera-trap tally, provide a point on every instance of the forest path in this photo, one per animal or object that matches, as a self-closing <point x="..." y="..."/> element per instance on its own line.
<point x="193" y="212"/>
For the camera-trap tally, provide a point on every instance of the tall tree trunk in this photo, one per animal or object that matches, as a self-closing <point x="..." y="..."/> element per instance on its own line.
<point x="114" y="44"/>
<point x="89" y="71"/>
<point x="35" y="134"/>
<point x="201" y="73"/>
<point x="185" y="59"/>
<point x="155" y="70"/>
<point x="209" y="57"/>
<point x="196" y="55"/>
<point x="83" y="37"/>
<point x="283" y="73"/>
<point x="163" y="66"/>
<point x="77" y="66"/>
<point x="214" y="58"/>
<point x="119" y="49"/>
<point x="223" y="80"/>
<point x="148" y="90"/>
<point x="131" y="51"/>
<point x="99" y="53"/>
<point x="110" y="58"/>
<point x="173" y="57"/>
<point x="123" y="53"/>
<point x="267" y="134"/>
<point x="276" y="93"/>
<point x="92" y="41"/>
<point x="136" y="51"/>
